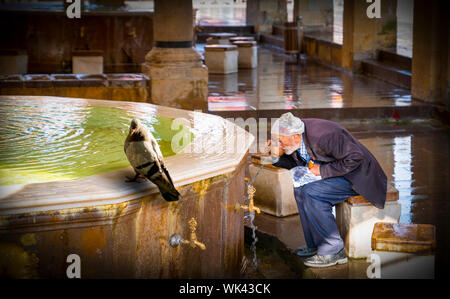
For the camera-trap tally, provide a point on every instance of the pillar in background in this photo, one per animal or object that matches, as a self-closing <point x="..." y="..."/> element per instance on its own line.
<point x="262" y="14"/>
<point x="317" y="15"/>
<point x="430" y="62"/>
<point x="178" y="78"/>
<point x="364" y="35"/>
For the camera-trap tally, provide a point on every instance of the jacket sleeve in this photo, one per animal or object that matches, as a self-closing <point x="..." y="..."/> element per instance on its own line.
<point x="286" y="161"/>
<point x="344" y="150"/>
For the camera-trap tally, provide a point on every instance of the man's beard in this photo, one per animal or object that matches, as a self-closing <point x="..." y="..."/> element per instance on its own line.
<point x="290" y="150"/>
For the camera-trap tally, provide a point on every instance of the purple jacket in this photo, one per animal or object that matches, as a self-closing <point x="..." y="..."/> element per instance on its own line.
<point x="342" y="154"/>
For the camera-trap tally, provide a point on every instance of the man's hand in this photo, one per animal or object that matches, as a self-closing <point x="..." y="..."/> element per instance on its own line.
<point x="267" y="148"/>
<point x="315" y="170"/>
<point x="274" y="148"/>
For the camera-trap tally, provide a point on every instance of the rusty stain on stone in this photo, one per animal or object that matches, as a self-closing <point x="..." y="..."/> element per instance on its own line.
<point x="15" y="262"/>
<point x="201" y="187"/>
<point x="93" y="240"/>
<point x="28" y="239"/>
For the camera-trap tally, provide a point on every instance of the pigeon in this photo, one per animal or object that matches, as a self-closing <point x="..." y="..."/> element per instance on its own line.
<point x="145" y="157"/>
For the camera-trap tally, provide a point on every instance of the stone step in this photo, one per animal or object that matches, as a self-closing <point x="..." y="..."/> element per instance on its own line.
<point x="393" y="59"/>
<point x="386" y="72"/>
<point x="274" y="40"/>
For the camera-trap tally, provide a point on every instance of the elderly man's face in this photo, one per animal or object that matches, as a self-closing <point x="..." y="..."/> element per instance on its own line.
<point x="288" y="144"/>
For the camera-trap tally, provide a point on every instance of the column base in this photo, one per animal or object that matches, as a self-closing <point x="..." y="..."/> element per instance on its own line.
<point x="178" y="78"/>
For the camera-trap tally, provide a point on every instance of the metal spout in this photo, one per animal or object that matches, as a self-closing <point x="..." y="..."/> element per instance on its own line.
<point x="176" y="239"/>
<point x="251" y="206"/>
<point x="132" y="32"/>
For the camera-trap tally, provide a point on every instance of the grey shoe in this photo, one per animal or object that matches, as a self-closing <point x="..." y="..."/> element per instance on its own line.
<point x="306" y="251"/>
<point x="328" y="260"/>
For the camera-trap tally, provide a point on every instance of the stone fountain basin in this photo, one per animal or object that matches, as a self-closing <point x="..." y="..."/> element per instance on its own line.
<point x="123" y="229"/>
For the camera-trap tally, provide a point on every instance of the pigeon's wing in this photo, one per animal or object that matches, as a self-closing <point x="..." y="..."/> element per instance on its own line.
<point x="141" y="156"/>
<point x="156" y="149"/>
<point x="162" y="178"/>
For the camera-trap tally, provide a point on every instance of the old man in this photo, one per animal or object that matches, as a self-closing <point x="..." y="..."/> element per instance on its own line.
<point x="346" y="167"/>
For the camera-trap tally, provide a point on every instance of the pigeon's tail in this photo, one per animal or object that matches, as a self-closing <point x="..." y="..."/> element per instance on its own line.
<point x="165" y="185"/>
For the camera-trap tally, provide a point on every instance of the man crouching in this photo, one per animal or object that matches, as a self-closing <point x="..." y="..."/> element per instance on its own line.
<point x="346" y="167"/>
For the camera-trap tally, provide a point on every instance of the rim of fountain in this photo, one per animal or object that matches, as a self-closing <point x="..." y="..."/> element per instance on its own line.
<point x="110" y="187"/>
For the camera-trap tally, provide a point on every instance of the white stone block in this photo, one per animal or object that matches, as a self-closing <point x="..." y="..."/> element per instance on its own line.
<point x="356" y="222"/>
<point x="402" y="265"/>
<point x="87" y="64"/>
<point x="248" y="54"/>
<point x="221" y="60"/>
<point x="274" y="191"/>
<point x="248" y="57"/>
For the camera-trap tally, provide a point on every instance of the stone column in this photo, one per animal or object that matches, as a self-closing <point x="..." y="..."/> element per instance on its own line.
<point x="364" y="35"/>
<point x="178" y="78"/>
<point x="316" y="14"/>
<point x="430" y="62"/>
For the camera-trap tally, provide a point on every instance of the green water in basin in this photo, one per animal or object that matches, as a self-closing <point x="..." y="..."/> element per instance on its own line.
<point x="51" y="141"/>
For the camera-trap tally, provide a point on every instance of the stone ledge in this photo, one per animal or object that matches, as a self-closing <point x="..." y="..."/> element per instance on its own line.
<point x="73" y="80"/>
<point x="386" y="72"/>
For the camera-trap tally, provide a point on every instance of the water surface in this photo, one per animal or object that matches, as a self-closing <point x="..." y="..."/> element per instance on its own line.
<point x="51" y="140"/>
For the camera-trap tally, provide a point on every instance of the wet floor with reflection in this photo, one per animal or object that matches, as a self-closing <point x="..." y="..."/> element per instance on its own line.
<point x="415" y="155"/>
<point x="416" y="159"/>
<point x="280" y="83"/>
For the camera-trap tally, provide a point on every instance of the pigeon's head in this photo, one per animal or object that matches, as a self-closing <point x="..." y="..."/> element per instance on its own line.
<point x="136" y="128"/>
<point x="135" y="125"/>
